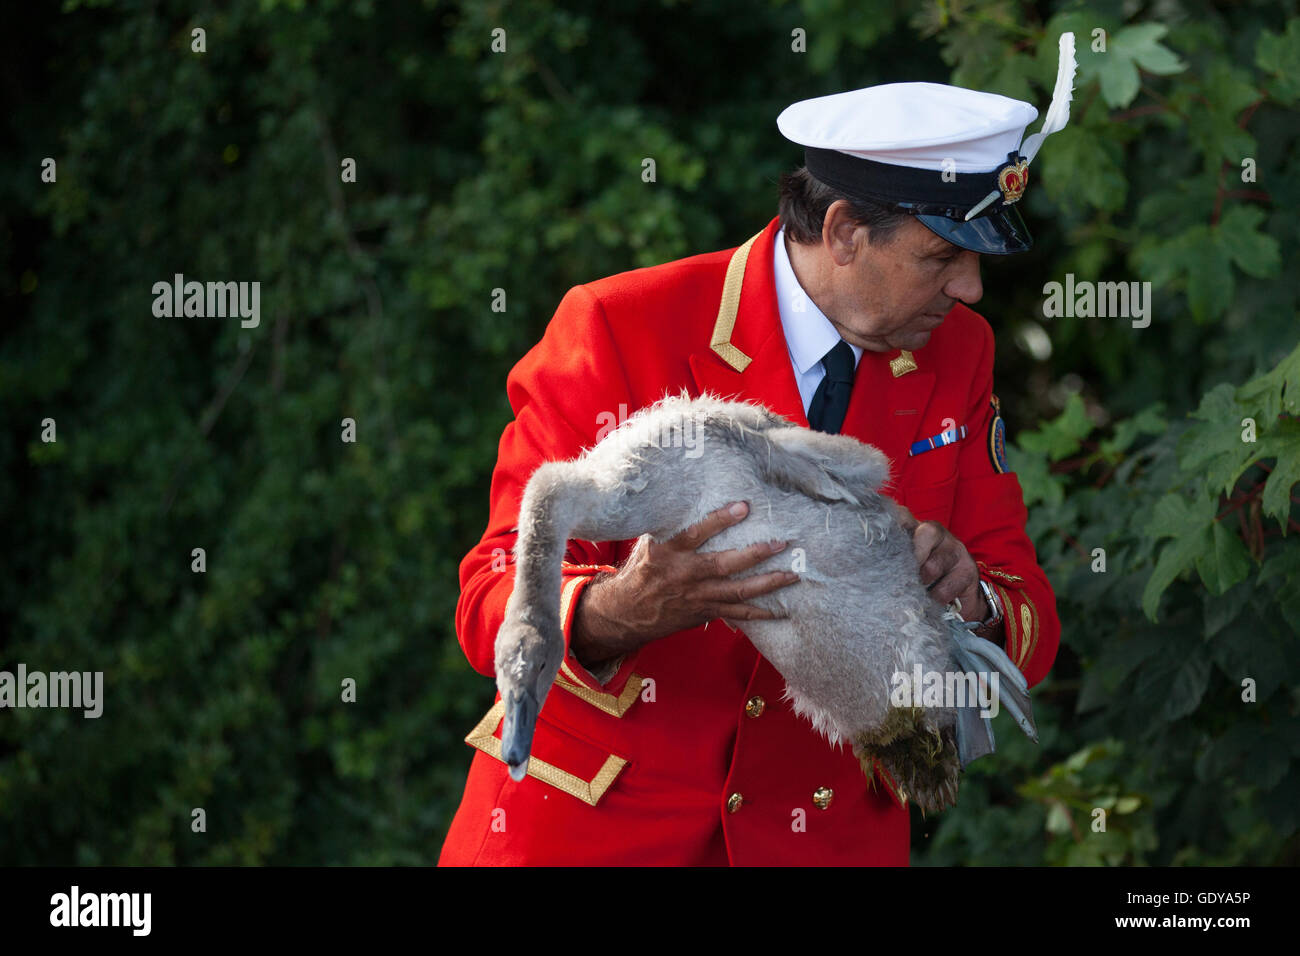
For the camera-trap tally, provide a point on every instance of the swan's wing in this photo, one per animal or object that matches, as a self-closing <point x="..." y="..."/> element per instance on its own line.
<point x="823" y="467"/>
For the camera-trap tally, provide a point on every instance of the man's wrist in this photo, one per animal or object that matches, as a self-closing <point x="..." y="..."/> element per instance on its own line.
<point x="590" y="639"/>
<point x="992" y="624"/>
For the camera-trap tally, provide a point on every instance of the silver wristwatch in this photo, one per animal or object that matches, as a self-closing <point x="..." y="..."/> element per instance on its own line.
<point x="995" y="608"/>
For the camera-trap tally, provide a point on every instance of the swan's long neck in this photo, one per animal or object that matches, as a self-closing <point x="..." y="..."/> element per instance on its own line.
<point x="551" y="508"/>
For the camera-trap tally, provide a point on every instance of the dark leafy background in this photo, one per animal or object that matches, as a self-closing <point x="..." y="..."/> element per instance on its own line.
<point x="522" y="171"/>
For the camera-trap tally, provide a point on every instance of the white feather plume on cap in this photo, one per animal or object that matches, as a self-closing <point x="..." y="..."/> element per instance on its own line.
<point x="1058" y="114"/>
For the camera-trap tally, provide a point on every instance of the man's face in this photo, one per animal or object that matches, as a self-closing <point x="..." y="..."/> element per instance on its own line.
<point x="894" y="294"/>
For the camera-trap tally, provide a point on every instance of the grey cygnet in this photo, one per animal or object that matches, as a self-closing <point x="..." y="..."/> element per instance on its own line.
<point x="856" y="623"/>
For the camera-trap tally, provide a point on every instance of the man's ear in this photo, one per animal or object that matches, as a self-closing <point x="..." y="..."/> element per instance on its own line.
<point x="840" y="234"/>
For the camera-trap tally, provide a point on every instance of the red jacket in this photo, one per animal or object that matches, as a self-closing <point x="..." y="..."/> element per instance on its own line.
<point x="689" y="754"/>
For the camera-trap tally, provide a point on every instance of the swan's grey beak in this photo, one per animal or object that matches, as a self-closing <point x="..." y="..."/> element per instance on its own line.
<point x="517" y="731"/>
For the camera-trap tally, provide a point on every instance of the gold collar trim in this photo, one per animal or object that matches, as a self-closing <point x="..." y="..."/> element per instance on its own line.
<point x="729" y="306"/>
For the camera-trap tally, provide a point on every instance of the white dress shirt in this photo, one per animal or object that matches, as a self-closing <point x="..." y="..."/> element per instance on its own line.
<point x="809" y="335"/>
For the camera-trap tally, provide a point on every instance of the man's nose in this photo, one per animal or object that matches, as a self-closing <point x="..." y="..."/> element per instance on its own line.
<point x="965" y="285"/>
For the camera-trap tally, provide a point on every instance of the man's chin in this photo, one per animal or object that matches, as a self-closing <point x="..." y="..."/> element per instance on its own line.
<point x="912" y="342"/>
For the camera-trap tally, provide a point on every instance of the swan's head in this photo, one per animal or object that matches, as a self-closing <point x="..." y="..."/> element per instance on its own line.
<point x="527" y="659"/>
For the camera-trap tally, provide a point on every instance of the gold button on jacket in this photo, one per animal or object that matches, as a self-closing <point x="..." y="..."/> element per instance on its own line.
<point x="733" y="802"/>
<point x="754" y="706"/>
<point x="822" y="797"/>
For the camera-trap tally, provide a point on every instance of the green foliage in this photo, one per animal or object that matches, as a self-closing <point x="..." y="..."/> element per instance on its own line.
<point x="521" y="171"/>
<point x="1123" y="522"/>
<point x="1084" y="788"/>
<point x="1213" y="455"/>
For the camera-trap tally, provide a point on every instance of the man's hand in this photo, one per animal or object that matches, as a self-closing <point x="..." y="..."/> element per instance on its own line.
<point x="669" y="587"/>
<point x="947" y="568"/>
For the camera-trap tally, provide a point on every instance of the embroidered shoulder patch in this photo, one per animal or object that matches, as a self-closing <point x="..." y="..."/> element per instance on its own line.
<point x="998" y="439"/>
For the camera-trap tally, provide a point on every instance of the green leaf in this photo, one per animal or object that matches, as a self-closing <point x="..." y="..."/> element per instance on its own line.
<point x="1284" y="444"/>
<point x="1176" y="681"/>
<point x="1187" y="687"/>
<point x="1279" y="55"/>
<point x="1088" y="755"/>
<point x="1118" y="659"/>
<point x="1215" y="450"/>
<point x="1058" y="819"/>
<point x="1119" y="81"/>
<point x="1037" y="483"/>
<point x="1213" y="112"/>
<point x="1126" y="805"/>
<point x="1288" y="602"/>
<point x="1080" y="165"/>
<point x="1247" y="752"/>
<point x="1274" y="392"/>
<point x="1176" y="557"/>
<point x="1163" y="261"/>
<point x="1197" y="256"/>
<point x="1149" y="421"/>
<point x="1173" y="515"/>
<point x="1062" y="436"/>
<point x="1220" y="611"/>
<point x="1232" y="88"/>
<point x="1254" y="253"/>
<point x="1225" y="562"/>
<point x="1210" y="283"/>
<point x="1131" y="47"/>
<point x="1253" y="649"/>
<point x="1286" y="564"/>
<point x="1142" y="43"/>
<point x="1218" y="405"/>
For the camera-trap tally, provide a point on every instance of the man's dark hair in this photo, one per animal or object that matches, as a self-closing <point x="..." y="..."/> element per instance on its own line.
<point x="805" y="199"/>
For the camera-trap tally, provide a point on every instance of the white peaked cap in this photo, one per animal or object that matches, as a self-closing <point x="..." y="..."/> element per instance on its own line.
<point x="913" y="124"/>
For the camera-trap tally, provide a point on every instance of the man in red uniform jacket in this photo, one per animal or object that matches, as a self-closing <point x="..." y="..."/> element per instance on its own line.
<point x="667" y="740"/>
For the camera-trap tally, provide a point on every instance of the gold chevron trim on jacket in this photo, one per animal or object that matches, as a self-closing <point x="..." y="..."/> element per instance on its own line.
<point x="615" y="706"/>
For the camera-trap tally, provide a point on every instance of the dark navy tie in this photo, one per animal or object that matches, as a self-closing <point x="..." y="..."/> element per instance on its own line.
<point x="831" y="400"/>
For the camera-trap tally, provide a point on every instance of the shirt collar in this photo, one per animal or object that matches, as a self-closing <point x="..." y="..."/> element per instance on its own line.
<point x="808" y="333"/>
